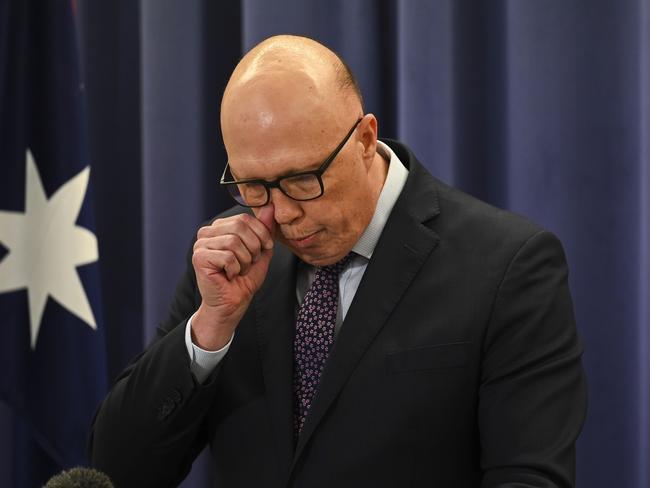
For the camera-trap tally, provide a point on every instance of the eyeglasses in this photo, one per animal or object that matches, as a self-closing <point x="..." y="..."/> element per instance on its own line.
<point x="303" y="186"/>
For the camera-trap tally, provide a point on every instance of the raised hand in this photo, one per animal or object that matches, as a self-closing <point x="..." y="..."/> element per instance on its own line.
<point x="231" y="258"/>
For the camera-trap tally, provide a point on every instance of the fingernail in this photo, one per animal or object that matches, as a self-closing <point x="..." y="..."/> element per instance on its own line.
<point x="268" y="245"/>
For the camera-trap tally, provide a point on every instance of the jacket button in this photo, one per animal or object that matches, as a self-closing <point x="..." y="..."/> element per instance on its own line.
<point x="176" y="396"/>
<point x="166" y="408"/>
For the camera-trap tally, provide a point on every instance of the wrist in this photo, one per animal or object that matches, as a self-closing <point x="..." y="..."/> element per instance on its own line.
<point x="210" y="330"/>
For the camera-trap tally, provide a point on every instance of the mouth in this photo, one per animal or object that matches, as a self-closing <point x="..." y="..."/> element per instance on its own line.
<point x="304" y="241"/>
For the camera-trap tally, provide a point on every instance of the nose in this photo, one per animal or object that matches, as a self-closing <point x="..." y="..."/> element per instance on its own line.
<point x="286" y="209"/>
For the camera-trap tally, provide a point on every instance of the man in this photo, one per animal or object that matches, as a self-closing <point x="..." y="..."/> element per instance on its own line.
<point x="362" y="325"/>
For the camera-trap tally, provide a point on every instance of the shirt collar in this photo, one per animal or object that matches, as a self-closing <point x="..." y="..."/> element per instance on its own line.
<point x="395" y="180"/>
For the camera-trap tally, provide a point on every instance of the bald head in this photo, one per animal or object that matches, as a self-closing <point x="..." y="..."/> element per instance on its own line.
<point x="285" y="84"/>
<point x="287" y="52"/>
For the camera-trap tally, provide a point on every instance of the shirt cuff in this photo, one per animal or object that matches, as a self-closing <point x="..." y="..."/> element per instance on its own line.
<point x="203" y="362"/>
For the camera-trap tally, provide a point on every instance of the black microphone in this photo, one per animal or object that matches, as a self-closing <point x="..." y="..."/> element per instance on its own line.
<point x="80" y="478"/>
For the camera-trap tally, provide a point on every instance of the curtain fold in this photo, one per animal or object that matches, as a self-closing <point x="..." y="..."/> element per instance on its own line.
<point x="642" y="322"/>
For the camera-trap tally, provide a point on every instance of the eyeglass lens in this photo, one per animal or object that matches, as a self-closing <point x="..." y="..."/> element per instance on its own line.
<point x="299" y="187"/>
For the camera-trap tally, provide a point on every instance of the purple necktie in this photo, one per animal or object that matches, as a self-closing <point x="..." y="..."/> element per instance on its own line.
<point x="314" y="337"/>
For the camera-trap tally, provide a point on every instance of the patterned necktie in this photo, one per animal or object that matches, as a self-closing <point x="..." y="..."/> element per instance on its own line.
<point x="314" y="337"/>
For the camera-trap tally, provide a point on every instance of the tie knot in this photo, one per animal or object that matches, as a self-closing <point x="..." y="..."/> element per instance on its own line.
<point x="338" y="266"/>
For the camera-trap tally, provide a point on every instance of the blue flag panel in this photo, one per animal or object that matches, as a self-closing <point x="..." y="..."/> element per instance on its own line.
<point x="52" y="353"/>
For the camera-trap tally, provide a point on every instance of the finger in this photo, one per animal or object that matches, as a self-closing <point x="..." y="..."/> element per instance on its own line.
<point x="228" y="235"/>
<point x="262" y="230"/>
<point x="247" y="227"/>
<point x="267" y="217"/>
<point x="231" y="270"/>
<point x="233" y="243"/>
<point x="216" y="261"/>
<point x="230" y="267"/>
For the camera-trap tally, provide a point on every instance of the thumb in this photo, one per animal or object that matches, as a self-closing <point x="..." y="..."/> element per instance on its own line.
<point x="259" y="270"/>
<point x="266" y="216"/>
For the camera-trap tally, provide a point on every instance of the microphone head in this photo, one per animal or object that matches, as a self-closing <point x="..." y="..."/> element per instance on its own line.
<point x="80" y="478"/>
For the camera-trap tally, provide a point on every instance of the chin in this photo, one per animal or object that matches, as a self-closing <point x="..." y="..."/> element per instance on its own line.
<point x="312" y="256"/>
<point x="320" y="259"/>
<point x="322" y="253"/>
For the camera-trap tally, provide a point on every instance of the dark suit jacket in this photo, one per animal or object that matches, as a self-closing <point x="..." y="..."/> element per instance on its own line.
<point x="457" y="365"/>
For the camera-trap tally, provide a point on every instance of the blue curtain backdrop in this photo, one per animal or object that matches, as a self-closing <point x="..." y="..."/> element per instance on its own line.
<point x="539" y="107"/>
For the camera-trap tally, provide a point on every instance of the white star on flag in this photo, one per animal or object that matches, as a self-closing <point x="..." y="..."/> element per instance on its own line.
<point x="45" y="247"/>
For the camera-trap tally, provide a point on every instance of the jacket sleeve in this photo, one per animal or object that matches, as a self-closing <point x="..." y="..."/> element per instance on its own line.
<point x="149" y="429"/>
<point x="532" y="398"/>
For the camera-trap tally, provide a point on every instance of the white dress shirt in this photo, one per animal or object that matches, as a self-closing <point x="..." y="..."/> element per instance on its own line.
<point x="203" y="362"/>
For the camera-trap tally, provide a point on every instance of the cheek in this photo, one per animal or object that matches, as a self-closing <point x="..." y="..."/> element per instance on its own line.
<point x="346" y="213"/>
<point x="346" y="207"/>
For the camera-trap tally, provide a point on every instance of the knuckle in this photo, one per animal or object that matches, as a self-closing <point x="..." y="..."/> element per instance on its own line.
<point x="198" y="257"/>
<point x="201" y="233"/>
<point x="239" y="227"/>
<point x="231" y="240"/>
<point x="198" y="244"/>
<point x="243" y="222"/>
<point x="216" y="227"/>
<point x="257" y="245"/>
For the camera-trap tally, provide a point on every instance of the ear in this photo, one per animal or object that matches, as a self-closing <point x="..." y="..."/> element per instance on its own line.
<point x="367" y="135"/>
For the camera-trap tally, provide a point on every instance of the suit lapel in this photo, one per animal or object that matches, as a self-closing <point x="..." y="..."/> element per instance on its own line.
<point x="275" y="307"/>
<point x="404" y="246"/>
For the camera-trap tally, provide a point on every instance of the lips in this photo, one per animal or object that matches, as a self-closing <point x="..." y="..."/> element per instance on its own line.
<point x="299" y="238"/>
<point x="304" y="240"/>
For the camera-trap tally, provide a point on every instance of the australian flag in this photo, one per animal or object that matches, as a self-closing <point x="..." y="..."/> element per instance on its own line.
<point x="52" y="354"/>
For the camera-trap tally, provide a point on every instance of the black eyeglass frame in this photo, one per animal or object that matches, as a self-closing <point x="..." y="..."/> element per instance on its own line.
<point x="318" y="173"/>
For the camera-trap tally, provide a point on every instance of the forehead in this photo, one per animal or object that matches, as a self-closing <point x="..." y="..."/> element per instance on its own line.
<point x="285" y="152"/>
<point x="277" y="165"/>
<point x="274" y="123"/>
